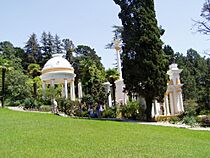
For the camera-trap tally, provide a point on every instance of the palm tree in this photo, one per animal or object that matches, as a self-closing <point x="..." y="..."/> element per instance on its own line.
<point x="112" y="75"/>
<point x="34" y="71"/>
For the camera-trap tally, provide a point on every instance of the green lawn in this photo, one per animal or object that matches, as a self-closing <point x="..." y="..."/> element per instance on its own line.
<point x="38" y="135"/>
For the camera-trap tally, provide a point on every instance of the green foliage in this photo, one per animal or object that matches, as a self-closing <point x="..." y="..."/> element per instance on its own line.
<point x="67" y="106"/>
<point x="133" y="110"/>
<point x="109" y="112"/>
<point x="190" y="120"/>
<point x="31" y="103"/>
<point x="195" y="77"/>
<point x="90" y="72"/>
<point x="112" y="75"/>
<point x="18" y="87"/>
<point x="190" y="107"/>
<point x="142" y="51"/>
<point x="33" y="51"/>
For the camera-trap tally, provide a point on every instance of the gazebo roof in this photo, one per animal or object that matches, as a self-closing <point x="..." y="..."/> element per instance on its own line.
<point x="57" y="62"/>
<point x="58" y="69"/>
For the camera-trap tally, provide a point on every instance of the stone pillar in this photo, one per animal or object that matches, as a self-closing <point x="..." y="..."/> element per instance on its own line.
<point x="157" y="107"/>
<point x="72" y="91"/>
<point x="119" y="63"/>
<point x="164" y="108"/>
<point x="52" y="83"/>
<point x="171" y="103"/>
<point x="153" y="110"/>
<point x="176" y="109"/>
<point x="66" y="88"/>
<point x="167" y="106"/>
<point x="108" y="92"/>
<point x="181" y="102"/>
<point x="43" y="89"/>
<point x="80" y="91"/>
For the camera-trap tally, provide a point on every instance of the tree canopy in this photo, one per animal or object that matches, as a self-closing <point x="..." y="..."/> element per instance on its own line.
<point x="142" y="51"/>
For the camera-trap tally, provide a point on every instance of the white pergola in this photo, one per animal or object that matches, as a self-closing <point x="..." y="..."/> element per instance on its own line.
<point x="58" y="70"/>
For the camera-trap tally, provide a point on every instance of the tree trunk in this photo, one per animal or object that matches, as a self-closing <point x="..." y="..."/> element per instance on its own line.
<point x="149" y="108"/>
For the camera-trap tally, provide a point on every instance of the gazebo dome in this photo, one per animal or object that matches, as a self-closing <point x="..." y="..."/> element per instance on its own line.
<point x="57" y="62"/>
<point x="57" y="69"/>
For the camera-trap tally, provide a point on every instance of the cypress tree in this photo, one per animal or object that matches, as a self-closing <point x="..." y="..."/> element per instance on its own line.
<point x="143" y="60"/>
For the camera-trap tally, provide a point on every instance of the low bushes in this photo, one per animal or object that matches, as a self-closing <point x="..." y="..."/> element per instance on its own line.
<point x="133" y="110"/>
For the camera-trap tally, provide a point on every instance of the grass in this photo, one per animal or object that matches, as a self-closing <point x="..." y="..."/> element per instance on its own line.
<point x="24" y="135"/>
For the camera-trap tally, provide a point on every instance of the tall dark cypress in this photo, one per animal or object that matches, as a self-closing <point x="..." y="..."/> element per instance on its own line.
<point x="143" y="60"/>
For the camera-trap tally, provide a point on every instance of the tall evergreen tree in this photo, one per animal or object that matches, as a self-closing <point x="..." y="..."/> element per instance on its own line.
<point x="47" y="41"/>
<point x="32" y="49"/>
<point x="69" y="48"/>
<point x="57" y="45"/>
<point x="144" y="62"/>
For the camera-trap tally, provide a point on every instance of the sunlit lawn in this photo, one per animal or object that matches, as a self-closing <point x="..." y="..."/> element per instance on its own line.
<point x="38" y="135"/>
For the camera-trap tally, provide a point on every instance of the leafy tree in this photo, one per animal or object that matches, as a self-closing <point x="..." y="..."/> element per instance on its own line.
<point x="7" y="50"/>
<point x="112" y="75"/>
<point x="32" y="50"/>
<point x="195" y="76"/>
<point x="90" y="71"/>
<point x="18" y="87"/>
<point x="69" y="48"/>
<point x="34" y="71"/>
<point x="144" y="62"/>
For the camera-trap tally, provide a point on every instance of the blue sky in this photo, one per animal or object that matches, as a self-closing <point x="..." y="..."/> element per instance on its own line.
<point x="90" y="22"/>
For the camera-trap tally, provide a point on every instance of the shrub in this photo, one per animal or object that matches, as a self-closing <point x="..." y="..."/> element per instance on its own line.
<point x="191" y="107"/>
<point x="132" y="110"/>
<point x="109" y="112"/>
<point x="30" y="103"/>
<point x="12" y="103"/>
<point x="190" y="120"/>
<point x="67" y="106"/>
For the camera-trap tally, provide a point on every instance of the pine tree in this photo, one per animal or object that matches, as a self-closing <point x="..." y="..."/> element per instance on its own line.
<point x="143" y="60"/>
<point x="57" y="45"/>
<point x="32" y="50"/>
<point x="47" y="47"/>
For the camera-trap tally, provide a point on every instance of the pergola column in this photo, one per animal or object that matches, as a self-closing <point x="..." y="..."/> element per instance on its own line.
<point x="72" y="90"/>
<point x="52" y="83"/>
<point x="80" y="91"/>
<point x="167" y="106"/>
<point x="171" y="103"/>
<point x="43" y="89"/>
<point x="66" y="88"/>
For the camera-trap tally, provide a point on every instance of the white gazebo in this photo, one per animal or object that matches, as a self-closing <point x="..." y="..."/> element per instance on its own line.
<point x="58" y="70"/>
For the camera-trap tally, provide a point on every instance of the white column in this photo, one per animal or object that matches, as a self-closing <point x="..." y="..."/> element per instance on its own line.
<point x="43" y="89"/>
<point x="119" y="68"/>
<point x="167" y="106"/>
<point x="153" y="110"/>
<point x="72" y="91"/>
<point x="164" y="108"/>
<point x="157" y="106"/>
<point x="80" y="91"/>
<point x="109" y="96"/>
<point x="171" y="103"/>
<point x="175" y="101"/>
<point x="181" y="101"/>
<point x="52" y="83"/>
<point x="66" y="88"/>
